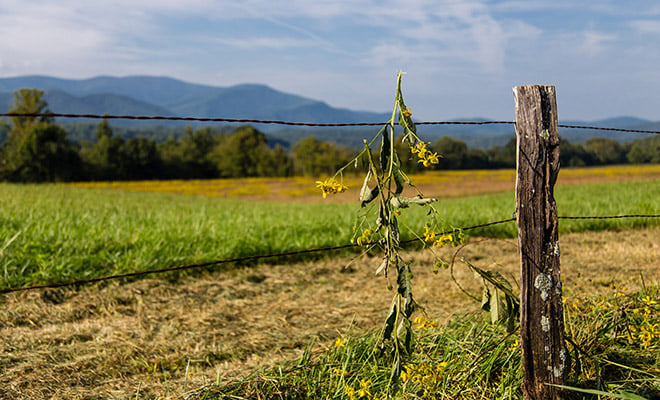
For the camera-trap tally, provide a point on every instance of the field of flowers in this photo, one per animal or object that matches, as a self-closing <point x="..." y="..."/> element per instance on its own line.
<point x="432" y="184"/>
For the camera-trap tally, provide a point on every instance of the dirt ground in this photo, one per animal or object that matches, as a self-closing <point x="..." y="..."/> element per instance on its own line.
<point x="157" y="339"/>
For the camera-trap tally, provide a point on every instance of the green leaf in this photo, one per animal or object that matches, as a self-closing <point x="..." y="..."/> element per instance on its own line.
<point x="501" y="302"/>
<point x="398" y="176"/>
<point x="385" y="151"/>
<point x="389" y="323"/>
<point x="498" y="310"/>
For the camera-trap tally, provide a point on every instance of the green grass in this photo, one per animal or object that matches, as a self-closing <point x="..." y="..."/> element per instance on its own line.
<point x="51" y="233"/>
<point x="469" y="358"/>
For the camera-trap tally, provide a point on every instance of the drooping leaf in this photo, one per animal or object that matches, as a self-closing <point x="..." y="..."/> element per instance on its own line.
<point x="389" y="323"/>
<point x="485" y="299"/>
<point x="501" y="302"/>
<point x="498" y="311"/>
<point x="383" y="266"/>
<point x="367" y="195"/>
<point x="399" y="181"/>
<point x="385" y="150"/>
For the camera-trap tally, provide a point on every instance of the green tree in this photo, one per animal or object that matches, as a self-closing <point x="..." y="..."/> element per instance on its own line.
<point x="314" y="158"/>
<point x="104" y="157"/>
<point x="645" y="150"/>
<point x="245" y="153"/>
<point x="605" y="151"/>
<point x="188" y="157"/>
<point x="281" y="163"/>
<point x="503" y="156"/>
<point x="138" y="160"/>
<point x="574" y="155"/>
<point x="454" y="153"/>
<point x="36" y="149"/>
<point x="477" y="159"/>
<point x="27" y="101"/>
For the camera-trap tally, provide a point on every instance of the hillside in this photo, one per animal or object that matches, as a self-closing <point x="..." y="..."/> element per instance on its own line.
<point x="149" y="95"/>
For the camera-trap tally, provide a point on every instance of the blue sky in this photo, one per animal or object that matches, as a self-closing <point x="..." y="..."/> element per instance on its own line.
<point x="461" y="57"/>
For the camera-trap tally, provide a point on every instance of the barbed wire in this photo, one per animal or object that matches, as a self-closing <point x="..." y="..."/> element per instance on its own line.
<point x="294" y="123"/>
<point x="616" y="216"/>
<point x="599" y="128"/>
<point x="212" y="263"/>
<point x="283" y="254"/>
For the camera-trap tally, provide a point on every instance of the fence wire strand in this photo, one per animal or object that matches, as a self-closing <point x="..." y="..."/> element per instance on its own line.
<point x="293" y="123"/>
<point x="284" y="254"/>
<point x="212" y="263"/>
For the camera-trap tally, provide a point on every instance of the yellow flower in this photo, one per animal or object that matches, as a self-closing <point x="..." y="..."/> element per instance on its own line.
<point x="428" y="159"/>
<point x="339" y="343"/>
<point x="419" y="148"/>
<point x="429" y="235"/>
<point x="365" y="238"/>
<point x="648" y="301"/>
<point x="425" y="324"/>
<point x="364" y="385"/>
<point x="406" y="113"/>
<point x="432" y="158"/>
<point x="443" y="240"/>
<point x="350" y="392"/>
<point x="330" y="186"/>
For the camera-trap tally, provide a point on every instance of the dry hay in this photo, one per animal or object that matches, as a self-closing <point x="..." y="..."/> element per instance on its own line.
<point x="163" y="339"/>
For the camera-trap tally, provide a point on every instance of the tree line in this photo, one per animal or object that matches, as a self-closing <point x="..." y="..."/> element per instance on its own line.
<point x="35" y="149"/>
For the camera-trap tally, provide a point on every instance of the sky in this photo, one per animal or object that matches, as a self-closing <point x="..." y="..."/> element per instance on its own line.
<point x="461" y="57"/>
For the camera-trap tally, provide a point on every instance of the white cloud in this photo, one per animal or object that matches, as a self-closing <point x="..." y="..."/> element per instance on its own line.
<point x="595" y="43"/>
<point x="646" y="26"/>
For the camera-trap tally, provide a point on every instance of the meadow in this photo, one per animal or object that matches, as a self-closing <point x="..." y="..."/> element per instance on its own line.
<point x="52" y="233"/>
<point x="271" y="330"/>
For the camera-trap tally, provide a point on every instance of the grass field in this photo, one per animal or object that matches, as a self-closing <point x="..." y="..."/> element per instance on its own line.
<point x="159" y="337"/>
<point x="51" y="233"/>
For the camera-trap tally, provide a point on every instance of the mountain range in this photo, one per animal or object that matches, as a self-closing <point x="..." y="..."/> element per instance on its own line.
<point x="149" y="95"/>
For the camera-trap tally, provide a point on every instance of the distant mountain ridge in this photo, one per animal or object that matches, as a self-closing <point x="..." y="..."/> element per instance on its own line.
<point x="146" y="95"/>
<point x="150" y="95"/>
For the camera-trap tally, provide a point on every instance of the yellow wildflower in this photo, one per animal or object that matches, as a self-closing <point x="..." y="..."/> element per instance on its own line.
<point x="406" y="112"/>
<point x="350" y="392"/>
<point x="429" y="159"/>
<point x="339" y="343"/>
<point x="429" y="235"/>
<point x="443" y="240"/>
<point x="364" y="385"/>
<point x="419" y="148"/>
<point x="365" y="238"/>
<point x="648" y="301"/>
<point x="330" y="186"/>
<point x="425" y="324"/>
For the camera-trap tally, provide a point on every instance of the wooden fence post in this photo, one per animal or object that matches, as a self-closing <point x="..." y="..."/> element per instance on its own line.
<point x="544" y="355"/>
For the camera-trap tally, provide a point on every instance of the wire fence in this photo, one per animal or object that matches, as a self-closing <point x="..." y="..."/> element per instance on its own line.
<point x="283" y="254"/>
<point x="296" y="252"/>
<point x="307" y="124"/>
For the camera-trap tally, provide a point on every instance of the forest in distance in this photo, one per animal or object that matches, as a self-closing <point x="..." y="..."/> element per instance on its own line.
<point x="40" y="150"/>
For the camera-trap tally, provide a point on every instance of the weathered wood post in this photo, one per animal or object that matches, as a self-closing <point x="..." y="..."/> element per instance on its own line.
<point x="544" y="355"/>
